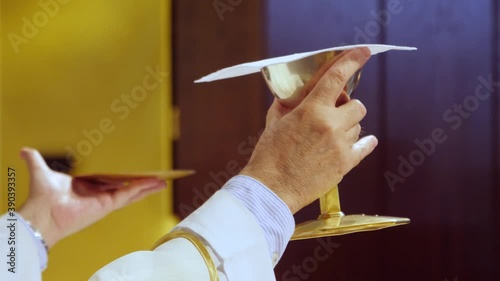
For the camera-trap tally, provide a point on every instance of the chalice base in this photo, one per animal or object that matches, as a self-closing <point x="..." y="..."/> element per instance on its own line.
<point x="334" y="226"/>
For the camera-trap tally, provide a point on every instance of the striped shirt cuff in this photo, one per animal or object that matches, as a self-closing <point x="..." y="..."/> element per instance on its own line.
<point x="271" y="213"/>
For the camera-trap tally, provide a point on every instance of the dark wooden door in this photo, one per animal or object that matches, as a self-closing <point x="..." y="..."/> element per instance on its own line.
<point x="220" y="122"/>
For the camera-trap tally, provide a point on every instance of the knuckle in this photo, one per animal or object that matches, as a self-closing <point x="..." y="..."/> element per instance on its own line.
<point x="337" y="75"/>
<point x="303" y="111"/>
<point x="335" y="128"/>
<point x="325" y="89"/>
<point x="357" y="130"/>
<point x="324" y="124"/>
<point x="323" y="129"/>
<point x="315" y="115"/>
<point x="359" y="107"/>
<point x="304" y="115"/>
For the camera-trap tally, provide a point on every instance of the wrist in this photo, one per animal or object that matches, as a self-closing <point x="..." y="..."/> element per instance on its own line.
<point x="279" y="187"/>
<point x="40" y="221"/>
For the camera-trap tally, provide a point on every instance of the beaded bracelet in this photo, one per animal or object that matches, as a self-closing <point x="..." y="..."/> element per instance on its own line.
<point x="38" y="236"/>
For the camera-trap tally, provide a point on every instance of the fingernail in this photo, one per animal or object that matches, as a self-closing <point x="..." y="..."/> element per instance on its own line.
<point x="375" y="141"/>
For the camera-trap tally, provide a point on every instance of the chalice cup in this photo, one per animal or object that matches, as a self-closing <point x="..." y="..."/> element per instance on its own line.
<point x="286" y="80"/>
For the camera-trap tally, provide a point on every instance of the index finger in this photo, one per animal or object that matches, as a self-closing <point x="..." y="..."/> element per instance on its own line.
<point x="332" y="83"/>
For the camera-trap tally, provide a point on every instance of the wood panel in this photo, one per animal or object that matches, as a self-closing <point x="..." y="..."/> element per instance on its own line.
<point x="219" y="121"/>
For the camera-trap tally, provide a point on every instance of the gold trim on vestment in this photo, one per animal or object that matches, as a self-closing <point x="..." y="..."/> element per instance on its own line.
<point x="212" y="270"/>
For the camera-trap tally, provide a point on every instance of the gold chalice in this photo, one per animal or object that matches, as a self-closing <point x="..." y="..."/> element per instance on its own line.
<point x="286" y="80"/>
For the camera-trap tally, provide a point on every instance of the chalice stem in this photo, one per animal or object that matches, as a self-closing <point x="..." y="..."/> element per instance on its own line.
<point x="330" y="204"/>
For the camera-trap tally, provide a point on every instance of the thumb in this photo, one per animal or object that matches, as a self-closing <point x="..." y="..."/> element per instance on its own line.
<point x="34" y="160"/>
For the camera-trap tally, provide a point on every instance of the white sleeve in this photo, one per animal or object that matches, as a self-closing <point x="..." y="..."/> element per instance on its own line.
<point x="230" y="232"/>
<point x="179" y="261"/>
<point x="19" y="258"/>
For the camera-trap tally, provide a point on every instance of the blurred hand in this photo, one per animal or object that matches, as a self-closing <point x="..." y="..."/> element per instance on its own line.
<point x="309" y="145"/>
<point x="59" y="206"/>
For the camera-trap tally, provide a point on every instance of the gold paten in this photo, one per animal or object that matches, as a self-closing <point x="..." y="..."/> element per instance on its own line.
<point x="333" y="222"/>
<point x="286" y="80"/>
<point x="126" y="178"/>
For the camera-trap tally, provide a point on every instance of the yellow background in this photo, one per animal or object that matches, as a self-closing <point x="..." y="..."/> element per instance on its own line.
<point x="63" y="81"/>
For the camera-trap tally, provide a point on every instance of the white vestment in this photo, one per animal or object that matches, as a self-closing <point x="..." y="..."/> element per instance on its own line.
<point x="229" y="230"/>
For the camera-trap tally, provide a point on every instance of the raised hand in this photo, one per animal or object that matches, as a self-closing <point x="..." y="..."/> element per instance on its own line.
<point x="59" y="206"/>
<point x="311" y="143"/>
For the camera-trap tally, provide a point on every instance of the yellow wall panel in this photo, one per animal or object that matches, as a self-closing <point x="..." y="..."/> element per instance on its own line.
<point x="70" y="69"/>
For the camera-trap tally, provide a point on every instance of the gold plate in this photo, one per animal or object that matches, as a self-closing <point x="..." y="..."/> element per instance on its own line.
<point x="124" y="178"/>
<point x="333" y="222"/>
<point x="344" y="225"/>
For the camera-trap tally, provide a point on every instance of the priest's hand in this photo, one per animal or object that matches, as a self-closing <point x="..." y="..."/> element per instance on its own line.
<point x="308" y="146"/>
<point x="59" y="205"/>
